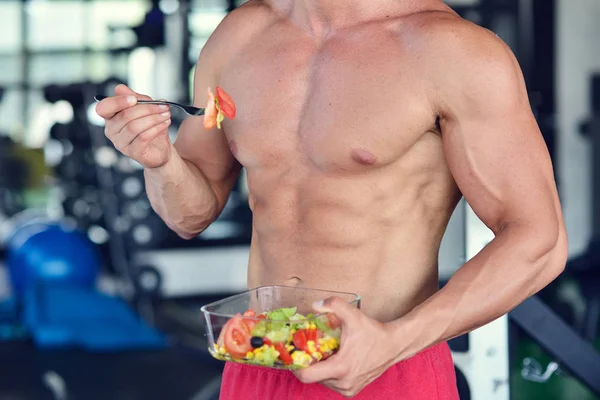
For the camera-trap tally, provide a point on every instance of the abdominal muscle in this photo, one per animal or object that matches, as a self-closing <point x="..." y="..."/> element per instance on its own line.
<point x="380" y="241"/>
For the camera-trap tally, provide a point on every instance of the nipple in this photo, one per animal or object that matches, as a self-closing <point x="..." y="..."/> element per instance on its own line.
<point x="363" y="157"/>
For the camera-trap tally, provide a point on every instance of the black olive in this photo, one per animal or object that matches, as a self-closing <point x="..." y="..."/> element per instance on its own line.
<point x="257" y="342"/>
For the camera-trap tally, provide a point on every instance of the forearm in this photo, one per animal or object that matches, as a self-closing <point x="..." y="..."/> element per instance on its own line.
<point x="182" y="196"/>
<point x="511" y="268"/>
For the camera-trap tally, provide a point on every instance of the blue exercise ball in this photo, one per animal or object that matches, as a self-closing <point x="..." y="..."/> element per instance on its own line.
<point x="47" y="253"/>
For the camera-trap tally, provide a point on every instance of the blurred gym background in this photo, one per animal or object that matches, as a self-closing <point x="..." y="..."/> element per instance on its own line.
<point x="100" y="300"/>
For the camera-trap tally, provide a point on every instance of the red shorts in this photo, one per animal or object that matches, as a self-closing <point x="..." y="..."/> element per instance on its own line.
<point x="428" y="375"/>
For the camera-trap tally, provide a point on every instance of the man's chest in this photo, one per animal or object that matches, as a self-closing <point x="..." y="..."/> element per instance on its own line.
<point x="343" y="107"/>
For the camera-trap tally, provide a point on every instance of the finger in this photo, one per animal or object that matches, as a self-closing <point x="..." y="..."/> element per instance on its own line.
<point x="144" y="138"/>
<point x="136" y="127"/>
<point x="131" y="114"/>
<point x="110" y="106"/>
<point x="338" y="307"/>
<point x="123" y="90"/>
<point x="328" y="370"/>
<point x="331" y="384"/>
<point x="339" y="387"/>
<point x="143" y="142"/>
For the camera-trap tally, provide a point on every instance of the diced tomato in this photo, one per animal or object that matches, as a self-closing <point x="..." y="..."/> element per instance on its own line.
<point x="226" y="104"/>
<point x="262" y="316"/>
<point x="283" y="353"/>
<point x="250" y="322"/>
<point x="300" y="339"/>
<point x="210" y="113"/>
<point x="311" y="334"/>
<point x="267" y="341"/>
<point x="237" y="338"/>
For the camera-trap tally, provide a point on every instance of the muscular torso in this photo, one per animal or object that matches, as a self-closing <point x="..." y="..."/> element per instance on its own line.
<point x="348" y="183"/>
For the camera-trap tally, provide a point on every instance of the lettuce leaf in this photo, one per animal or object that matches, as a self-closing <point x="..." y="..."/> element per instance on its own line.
<point x="281" y="314"/>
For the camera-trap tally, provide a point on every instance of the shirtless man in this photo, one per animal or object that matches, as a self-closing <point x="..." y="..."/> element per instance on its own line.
<point x="360" y="124"/>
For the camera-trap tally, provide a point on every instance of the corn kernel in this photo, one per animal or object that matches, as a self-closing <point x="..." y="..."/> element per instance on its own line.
<point x="250" y="355"/>
<point x="289" y="347"/>
<point x="317" y="356"/>
<point x="311" y="346"/>
<point x="222" y="350"/>
<point x="216" y="346"/>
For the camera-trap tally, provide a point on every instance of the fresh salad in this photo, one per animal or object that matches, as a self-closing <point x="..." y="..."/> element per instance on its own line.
<point x="279" y="338"/>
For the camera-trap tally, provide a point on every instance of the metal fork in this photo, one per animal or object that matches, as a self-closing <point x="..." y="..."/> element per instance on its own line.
<point x="189" y="110"/>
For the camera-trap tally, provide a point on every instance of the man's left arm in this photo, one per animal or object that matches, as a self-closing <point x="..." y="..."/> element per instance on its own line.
<point x="498" y="158"/>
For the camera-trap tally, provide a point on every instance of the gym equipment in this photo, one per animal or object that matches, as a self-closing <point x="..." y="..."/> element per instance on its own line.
<point x="13" y="178"/>
<point x="67" y="315"/>
<point x="53" y="272"/>
<point x="42" y="252"/>
<point x="572" y="352"/>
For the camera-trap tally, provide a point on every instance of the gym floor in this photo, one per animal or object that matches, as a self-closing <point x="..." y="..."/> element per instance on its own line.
<point x="167" y="374"/>
<point x="182" y="371"/>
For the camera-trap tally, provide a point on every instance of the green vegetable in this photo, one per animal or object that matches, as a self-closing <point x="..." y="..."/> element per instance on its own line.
<point x="282" y="314"/>
<point x="297" y="317"/>
<point x="269" y="356"/>
<point x="279" y="335"/>
<point x="260" y="329"/>
<point x="300" y="321"/>
<point x="322" y="325"/>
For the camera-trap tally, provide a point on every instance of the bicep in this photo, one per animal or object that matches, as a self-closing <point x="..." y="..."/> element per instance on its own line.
<point x="208" y="149"/>
<point x="495" y="149"/>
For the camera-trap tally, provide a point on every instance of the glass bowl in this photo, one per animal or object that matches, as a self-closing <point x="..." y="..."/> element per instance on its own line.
<point x="274" y="326"/>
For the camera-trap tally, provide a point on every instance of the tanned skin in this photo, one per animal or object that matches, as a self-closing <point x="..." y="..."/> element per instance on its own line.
<point x="360" y="125"/>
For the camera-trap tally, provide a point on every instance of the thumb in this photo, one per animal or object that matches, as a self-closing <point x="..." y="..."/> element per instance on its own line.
<point x="123" y="90"/>
<point x="338" y="311"/>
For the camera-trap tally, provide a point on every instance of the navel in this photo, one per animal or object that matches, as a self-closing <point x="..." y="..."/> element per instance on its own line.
<point x="363" y="157"/>
<point x="294" y="281"/>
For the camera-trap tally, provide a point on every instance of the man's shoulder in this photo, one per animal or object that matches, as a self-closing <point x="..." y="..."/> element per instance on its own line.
<point x="451" y="49"/>
<point x="237" y="29"/>
<point x="465" y="63"/>
<point x="445" y="32"/>
<point x="252" y="15"/>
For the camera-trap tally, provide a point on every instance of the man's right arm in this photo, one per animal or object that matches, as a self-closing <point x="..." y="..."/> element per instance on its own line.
<point x="191" y="189"/>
